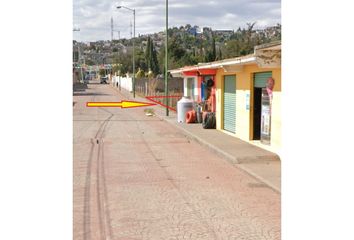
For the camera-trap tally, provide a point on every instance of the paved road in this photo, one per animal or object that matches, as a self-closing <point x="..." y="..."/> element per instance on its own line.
<point x="138" y="177"/>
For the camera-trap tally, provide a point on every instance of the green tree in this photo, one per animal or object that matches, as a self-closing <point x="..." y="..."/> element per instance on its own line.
<point x="219" y="56"/>
<point x="102" y="72"/>
<point x="90" y="62"/>
<point x="211" y="54"/>
<point x="140" y="73"/>
<point x="213" y="49"/>
<point x="140" y="59"/>
<point x="154" y="61"/>
<point x="148" y="53"/>
<point x="116" y="68"/>
<point x="151" y="57"/>
<point x="232" y="48"/>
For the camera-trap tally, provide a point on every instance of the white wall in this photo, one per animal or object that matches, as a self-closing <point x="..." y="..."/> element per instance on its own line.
<point x="243" y="114"/>
<point x="124" y="82"/>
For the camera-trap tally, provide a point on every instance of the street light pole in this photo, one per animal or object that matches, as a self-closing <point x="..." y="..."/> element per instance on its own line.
<point x="79" y="53"/>
<point x="134" y="55"/>
<point x="166" y="60"/>
<point x="133" y="10"/>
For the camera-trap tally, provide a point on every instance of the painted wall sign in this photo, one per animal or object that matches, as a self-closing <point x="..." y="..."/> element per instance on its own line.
<point x="270" y="86"/>
<point x="265" y="118"/>
<point x="265" y="129"/>
<point x="247" y="101"/>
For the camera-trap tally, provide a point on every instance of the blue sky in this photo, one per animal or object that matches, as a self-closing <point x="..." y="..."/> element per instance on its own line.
<point x="93" y="17"/>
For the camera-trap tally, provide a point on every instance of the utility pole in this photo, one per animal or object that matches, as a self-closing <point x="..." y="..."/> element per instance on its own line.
<point x="79" y="51"/>
<point x="133" y="10"/>
<point x="134" y="57"/>
<point x="112" y="29"/>
<point x="166" y="60"/>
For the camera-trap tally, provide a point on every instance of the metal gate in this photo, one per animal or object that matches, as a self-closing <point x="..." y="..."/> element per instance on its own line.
<point x="230" y="103"/>
<point x="260" y="79"/>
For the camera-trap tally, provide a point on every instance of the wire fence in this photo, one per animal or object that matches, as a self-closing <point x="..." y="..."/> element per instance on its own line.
<point x="154" y="89"/>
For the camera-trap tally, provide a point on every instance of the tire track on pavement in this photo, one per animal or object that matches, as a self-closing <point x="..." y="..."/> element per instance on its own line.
<point x="96" y="199"/>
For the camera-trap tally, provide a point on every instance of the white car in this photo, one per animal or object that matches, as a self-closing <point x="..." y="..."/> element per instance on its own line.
<point x="104" y="80"/>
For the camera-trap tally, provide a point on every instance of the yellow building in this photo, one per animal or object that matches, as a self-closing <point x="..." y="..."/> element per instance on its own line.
<point x="247" y="94"/>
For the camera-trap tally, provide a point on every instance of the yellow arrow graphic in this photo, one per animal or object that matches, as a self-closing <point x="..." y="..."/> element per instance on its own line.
<point x="122" y="104"/>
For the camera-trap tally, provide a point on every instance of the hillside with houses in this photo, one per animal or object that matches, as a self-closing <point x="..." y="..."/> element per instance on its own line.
<point x="188" y="45"/>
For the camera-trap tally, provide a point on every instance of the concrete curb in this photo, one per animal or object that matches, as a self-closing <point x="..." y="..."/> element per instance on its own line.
<point x="263" y="158"/>
<point x="218" y="151"/>
<point x="236" y="162"/>
<point x="256" y="176"/>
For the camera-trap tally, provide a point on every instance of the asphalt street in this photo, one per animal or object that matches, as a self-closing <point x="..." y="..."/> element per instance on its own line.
<point x="138" y="177"/>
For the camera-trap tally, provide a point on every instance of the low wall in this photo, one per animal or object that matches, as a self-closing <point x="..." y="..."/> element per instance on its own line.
<point x="123" y="82"/>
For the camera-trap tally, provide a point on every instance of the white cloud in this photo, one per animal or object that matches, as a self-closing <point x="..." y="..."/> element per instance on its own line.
<point x="180" y="5"/>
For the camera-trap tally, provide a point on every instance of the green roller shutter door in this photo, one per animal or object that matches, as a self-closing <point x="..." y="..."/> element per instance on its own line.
<point x="230" y="103"/>
<point x="260" y="79"/>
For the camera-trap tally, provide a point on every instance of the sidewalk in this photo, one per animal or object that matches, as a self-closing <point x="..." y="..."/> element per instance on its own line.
<point x="261" y="164"/>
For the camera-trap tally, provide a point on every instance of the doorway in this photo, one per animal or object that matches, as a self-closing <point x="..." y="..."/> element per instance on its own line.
<point x="261" y="107"/>
<point x="257" y="112"/>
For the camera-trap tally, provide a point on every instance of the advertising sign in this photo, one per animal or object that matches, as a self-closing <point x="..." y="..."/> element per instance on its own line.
<point x="265" y="129"/>
<point x="265" y="117"/>
<point x="247" y="101"/>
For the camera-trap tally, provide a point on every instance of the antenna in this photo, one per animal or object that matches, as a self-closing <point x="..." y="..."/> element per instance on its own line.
<point x="111" y="28"/>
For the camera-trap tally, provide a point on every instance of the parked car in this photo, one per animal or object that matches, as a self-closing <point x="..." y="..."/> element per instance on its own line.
<point x="104" y="80"/>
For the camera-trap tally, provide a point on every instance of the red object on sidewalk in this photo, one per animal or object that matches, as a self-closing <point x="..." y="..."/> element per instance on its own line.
<point x="213" y="100"/>
<point x="190" y="116"/>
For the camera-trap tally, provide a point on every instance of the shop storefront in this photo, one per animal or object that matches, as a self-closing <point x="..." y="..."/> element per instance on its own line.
<point x="244" y="93"/>
<point x="199" y="85"/>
